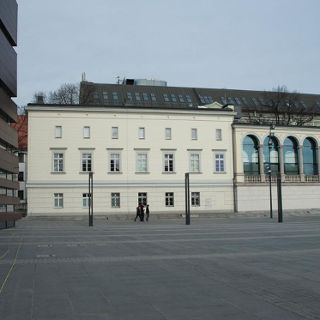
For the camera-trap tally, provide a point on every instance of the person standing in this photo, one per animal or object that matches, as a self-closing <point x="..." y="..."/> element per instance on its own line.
<point x="137" y="213"/>
<point x="147" y="213"/>
<point x="141" y="212"/>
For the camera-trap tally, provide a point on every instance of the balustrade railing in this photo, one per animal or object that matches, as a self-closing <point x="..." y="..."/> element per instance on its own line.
<point x="252" y="179"/>
<point x="311" y="178"/>
<point x="292" y="178"/>
<point x="285" y="178"/>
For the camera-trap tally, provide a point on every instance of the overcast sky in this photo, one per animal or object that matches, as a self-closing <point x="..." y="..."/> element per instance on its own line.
<point x="235" y="44"/>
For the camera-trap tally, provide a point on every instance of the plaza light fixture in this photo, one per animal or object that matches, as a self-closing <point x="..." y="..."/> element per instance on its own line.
<point x="272" y="127"/>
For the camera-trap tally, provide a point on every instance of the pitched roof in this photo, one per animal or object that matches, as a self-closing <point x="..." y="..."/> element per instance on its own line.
<point x="177" y="97"/>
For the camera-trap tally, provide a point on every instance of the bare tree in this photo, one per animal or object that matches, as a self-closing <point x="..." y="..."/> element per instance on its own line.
<point x="281" y="107"/>
<point x="68" y="93"/>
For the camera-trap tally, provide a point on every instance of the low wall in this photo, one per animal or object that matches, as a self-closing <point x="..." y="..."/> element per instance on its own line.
<point x="294" y="197"/>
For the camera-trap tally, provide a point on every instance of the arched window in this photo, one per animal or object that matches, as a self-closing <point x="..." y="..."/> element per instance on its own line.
<point x="290" y="156"/>
<point x="250" y="153"/>
<point x="272" y="150"/>
<point x="310" y="166"/>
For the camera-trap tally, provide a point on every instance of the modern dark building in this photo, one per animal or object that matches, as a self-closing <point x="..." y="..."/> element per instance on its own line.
<point x="9" y="165"/>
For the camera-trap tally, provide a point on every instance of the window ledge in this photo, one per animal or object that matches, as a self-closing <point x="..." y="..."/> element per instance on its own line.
<point x="222" y="172"/>
<point x="85" y="172"/>
<point x="166" y="172"/>
<point x="58" y="172"/>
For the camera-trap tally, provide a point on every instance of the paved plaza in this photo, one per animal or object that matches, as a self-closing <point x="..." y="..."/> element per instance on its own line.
<point x="237" y="268"/>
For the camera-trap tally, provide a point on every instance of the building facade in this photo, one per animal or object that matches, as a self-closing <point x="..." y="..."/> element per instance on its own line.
<point x="289" y="152"/>
<point x="136" y="155"/>
<point x="22" y="128"/>
<point x="140" y="138"/>
<point x="8" y="111"/>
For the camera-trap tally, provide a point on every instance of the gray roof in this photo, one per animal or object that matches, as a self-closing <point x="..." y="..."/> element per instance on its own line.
<point x="177" y="97"/>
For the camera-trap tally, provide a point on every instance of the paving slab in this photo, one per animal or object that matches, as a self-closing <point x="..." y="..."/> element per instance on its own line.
<point x="224" y="268"/>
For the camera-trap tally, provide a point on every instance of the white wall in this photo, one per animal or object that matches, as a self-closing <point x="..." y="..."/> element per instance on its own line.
<point x="216" y="189"/>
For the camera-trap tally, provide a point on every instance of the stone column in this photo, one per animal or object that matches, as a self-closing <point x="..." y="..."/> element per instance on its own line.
<point x="300" y="160"/>
<point x="261" y="163"/>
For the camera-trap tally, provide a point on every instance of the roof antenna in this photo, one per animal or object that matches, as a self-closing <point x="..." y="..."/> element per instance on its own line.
<point x="83" y="76"/>
<point x="118" y="79"/>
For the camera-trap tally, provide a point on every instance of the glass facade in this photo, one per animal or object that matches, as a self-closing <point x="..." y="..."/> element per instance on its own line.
<point x="290" y="156"/>
<point x="310" y="165"/>
<point x="250" y="153"/>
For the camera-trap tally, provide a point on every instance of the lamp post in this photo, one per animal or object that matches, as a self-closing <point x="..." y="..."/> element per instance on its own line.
<point x="187" y="197"/>
<point x="90" y="183"/>
<point x="269" y="168"/>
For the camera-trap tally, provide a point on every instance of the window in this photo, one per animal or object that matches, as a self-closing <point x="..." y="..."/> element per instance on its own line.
<point x="21" y="157"/>
<point x="86" y="132"/>
<point x="195" y="199"/>
<point x="168" y="133"/>
<point x="21" y="176"/>
<point x="218" y="134"/>
<point x="219" y="162"/>
<point x="166" y="97"/>
<point x="142" y="198"/>
<point x="194" y="162"/>
<point x="105" y="95"/>
<point x="114" y="162"/>
<point x="180" y="96"/>
<point x="137" y="95"/>
<point x="20" y="194"/>
<point x="129" y="96"/>
<point x="96" y="95"/>
<point x="58" y="132"/>
<point x="142" y="162"/>
<point x="271" y="155"/>
<point x="58" y="162"/>
<point x="194" y="134"/>
<point x="115" y="96"/>
<point x="58" y="200"/>
<point x="86" y="162"/>
<point x="141" y="133"/>
<point x="188" y="98"/>
<point x="115" y="133"/>
<point x="250" y="156"/>
<point x="153" y="97"/>
<point x="169" y="199"/>
<point x="173" y="98"/>
<point x="290" y="156"/>
<point x="115" y="200"/>
<point x="85" y="200"/>
<point x="168" y="162"/>
<point x="145" y="96"/>
<point x="310" y="163"/>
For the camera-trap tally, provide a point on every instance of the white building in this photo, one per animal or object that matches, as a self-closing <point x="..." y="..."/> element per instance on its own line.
<point x="136" y="154"/>
<point x="139" y="140"/>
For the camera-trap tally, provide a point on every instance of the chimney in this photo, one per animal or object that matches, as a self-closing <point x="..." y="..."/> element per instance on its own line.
<point x="40" y="99"/>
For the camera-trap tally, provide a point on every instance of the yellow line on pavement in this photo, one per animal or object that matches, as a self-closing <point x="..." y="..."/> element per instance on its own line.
<point x="10" y="270"/>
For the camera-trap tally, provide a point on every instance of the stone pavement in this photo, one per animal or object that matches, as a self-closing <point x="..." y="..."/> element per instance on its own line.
<point x="236" y="268"/>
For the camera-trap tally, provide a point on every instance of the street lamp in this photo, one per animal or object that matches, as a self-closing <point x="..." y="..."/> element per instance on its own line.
<point x="90" y="183"/>
<point x="269" y="167"/>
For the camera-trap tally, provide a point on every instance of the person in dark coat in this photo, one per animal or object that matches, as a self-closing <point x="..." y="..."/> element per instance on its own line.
<point x="141" y="212"/>
<point x="137" y="213"/>
<point x="147" y="213"/>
